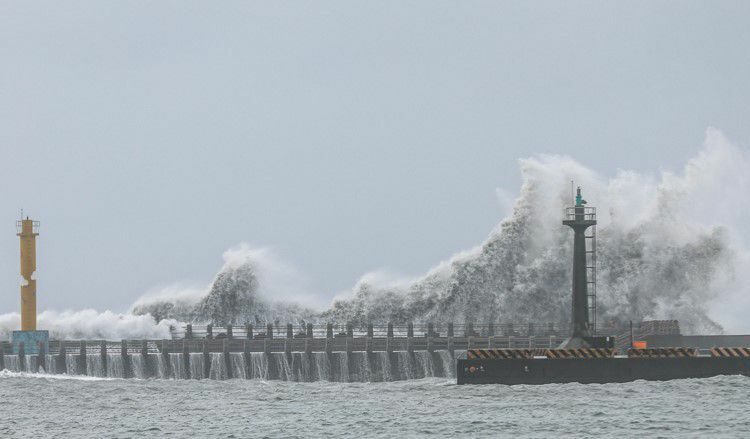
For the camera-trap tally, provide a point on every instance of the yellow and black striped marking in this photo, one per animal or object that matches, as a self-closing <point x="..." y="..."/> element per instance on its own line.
<point x="580" y="353"/>
<point x="662" y="352"/>
<point x="499" y="354"/>
<point x="539" y="352"/>
<point x="730" y="352"/>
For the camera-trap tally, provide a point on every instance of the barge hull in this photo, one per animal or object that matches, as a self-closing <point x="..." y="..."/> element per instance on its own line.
<point x="601" y="370"/>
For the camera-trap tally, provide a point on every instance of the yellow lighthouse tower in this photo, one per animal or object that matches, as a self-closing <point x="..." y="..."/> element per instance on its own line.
<point x="29" y="340"/>
<point x="27" y="232"/>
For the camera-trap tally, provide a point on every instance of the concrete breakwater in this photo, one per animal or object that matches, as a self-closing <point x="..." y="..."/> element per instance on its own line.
<point x="297" y="366"/>
<point x="347" y="356"/>
<point x="329" y="353"/>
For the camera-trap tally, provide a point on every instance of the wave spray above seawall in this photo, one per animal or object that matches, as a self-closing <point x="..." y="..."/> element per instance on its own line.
<point x="668" y="247"/>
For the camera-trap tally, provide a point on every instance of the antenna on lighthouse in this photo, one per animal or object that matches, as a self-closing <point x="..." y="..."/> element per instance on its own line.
<point x="572" y="193"/>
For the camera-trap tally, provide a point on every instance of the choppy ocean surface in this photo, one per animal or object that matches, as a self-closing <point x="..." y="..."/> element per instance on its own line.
<point x="61" y="406"/>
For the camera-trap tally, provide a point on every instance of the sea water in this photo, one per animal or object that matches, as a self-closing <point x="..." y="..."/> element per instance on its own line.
<point x="79" y="406"/>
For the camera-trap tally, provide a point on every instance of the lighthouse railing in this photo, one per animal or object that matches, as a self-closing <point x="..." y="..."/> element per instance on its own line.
<point x="573" y="213"/>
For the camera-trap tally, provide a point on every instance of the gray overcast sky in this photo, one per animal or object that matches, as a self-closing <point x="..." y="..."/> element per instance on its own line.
<point x="149" y="137"/>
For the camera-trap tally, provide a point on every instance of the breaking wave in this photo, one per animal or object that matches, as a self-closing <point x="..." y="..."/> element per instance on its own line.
<point x="234" y="296"/>
<point x="669" y="247"/>
<point x="91" y="324"/>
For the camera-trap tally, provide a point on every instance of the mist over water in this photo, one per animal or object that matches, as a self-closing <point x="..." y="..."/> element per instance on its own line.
<point x="671" y="246"/>
<point x="91" y="324"/>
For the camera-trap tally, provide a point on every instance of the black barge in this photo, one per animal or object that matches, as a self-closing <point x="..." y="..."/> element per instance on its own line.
<point x="513" y="366"/>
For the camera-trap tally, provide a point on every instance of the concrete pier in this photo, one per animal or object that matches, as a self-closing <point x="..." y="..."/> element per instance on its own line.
<point x="21" y="356"/>
<point x="186" y="359"/>
<point x="41" y="359"/>
<point x="103" y="356"/>
<point x="289" y="340"/>
<point x="329" y="339"/>
<point x="206" y="360"/>
<point x="62" y="361"/>
<point x="368" y="339"/>
<point x="165" y="350"/>
<point x="127" y="367"/>
<point x="82" y="364"/>
<point x="227" y="359"/>
<point x="144" y="355"/>
<point x="308" y="338"/>
<point x="247" y="356"/>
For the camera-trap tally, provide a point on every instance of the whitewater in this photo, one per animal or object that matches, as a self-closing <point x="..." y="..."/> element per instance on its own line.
<point x="670" y="246"/>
